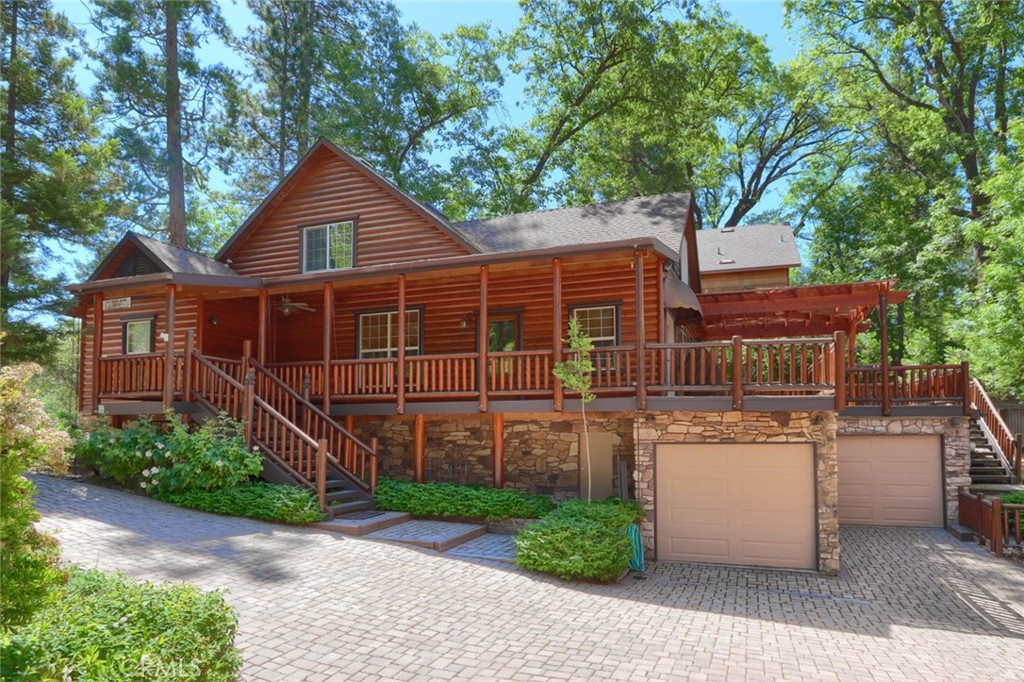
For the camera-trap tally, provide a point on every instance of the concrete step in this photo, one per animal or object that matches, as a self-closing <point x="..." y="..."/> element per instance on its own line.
<point x="361" y="523"/>
<point x="991" y="479"/>
<point x="437" y="535"/>
<point x="349" y="507"/>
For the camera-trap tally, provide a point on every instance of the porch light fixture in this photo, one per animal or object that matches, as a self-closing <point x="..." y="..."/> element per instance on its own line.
<point x="464" y="322"/>
<point x="213" y="319"/>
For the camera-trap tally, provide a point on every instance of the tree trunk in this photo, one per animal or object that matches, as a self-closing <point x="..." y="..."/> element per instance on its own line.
<point x="7" y="187"/>
<point x="175" y="158"/>
<point x="586" y="446"/>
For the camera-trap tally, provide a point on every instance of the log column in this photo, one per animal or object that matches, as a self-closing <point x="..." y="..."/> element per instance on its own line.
<point x="97" y="349"/>
<point x="328" y="319"/>
<point x="419" y="449"/>
<point x="400" y="387"/>
<point x="168" y="396"/>
<point x="883" y="314"/>
<point x="641" y="336"/>
<point x="556" y="331"/>
<point x="263" y="321"/>
<point x="482" y="340"/>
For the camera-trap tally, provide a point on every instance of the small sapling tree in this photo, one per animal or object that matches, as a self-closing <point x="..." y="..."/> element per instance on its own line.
<point x="575" y="374"/>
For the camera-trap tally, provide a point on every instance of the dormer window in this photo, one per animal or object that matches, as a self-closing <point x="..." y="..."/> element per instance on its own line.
<point x="328" y="247"/>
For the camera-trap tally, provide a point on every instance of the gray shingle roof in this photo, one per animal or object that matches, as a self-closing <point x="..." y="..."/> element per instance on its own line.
<point x="662" y="217"/>
<point x="179" y="260"/>
<point x="750" y="247"/>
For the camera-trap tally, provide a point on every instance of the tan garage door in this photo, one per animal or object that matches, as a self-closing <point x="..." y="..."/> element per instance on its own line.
<point x="890" y="480"/>
<point x="736" y="504"/>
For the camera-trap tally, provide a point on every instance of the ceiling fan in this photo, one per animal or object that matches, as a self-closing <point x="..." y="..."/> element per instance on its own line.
<point x="288" y="306"/>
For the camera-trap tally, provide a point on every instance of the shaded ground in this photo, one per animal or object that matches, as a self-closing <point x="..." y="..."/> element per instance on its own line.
<point x="910" y="604"/>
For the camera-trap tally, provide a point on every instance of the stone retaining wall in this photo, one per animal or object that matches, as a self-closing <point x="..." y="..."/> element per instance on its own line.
<point x="817" y="428"/>
<point x="956" y="447"/>
<point x="542" y="452"/>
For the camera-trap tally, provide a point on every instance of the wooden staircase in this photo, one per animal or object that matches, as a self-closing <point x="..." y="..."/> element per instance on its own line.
<point x="300" y="443"/>
<point x="987" y="463"/>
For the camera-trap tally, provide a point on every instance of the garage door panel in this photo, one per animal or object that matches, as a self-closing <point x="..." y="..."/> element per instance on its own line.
<point x="737" y="504"/>
<point x="890" y="480"/>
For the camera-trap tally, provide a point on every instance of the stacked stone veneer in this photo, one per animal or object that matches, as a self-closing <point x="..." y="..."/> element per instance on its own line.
<point x="542" y="452"/>
<point x="956" y="446"/>
<point x="817" y="428"/>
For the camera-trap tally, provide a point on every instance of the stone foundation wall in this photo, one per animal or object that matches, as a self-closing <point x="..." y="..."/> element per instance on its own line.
<point x="542" y="452"/>
<point x="956" y="448"/>
<point x="817" y="428"/>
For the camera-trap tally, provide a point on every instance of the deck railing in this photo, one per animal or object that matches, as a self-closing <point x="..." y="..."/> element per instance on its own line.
<point x="1010" y="445"/>
<point x="131" y="375"/>
<point x="996" y="523"/>
<point x="908" y="385"/>
<point x="520" y="373"/>
<point x="441" y="375"/>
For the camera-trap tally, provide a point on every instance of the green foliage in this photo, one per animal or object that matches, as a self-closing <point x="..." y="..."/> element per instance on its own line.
<point x="463" y="501"/>
<point x="175" y="460"/>
<point x="1015" y="498"/>
<point x="576" y="370"/>
<point x="28" y="570"/>
<point x="57" y="185"/>
<point x="580" y="540"/>
<point x="281" y="503"/>
<point x="108" y="627"/>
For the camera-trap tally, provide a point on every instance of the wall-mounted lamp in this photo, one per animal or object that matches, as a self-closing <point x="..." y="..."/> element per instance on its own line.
<point x="213" y="319"/>
<point x="464" y="322"/>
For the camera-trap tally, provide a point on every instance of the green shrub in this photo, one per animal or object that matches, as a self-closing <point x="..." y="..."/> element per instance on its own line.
<point x="1014" y="497"/>
<point x="28" y="569"/>
<point x="175" y="460"/>
<point x="465" y="501"/>
<point x="108" y="627"/>
<point x="580" y="541"/>
<point x="283" y="503"/>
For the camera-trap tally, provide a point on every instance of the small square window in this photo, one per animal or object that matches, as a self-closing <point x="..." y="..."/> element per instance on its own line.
<point x="328" y="247"/>
<point x="138" y="337"/>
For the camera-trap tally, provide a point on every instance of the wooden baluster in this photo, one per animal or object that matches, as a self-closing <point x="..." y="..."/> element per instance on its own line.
<point x="737" y="373"/>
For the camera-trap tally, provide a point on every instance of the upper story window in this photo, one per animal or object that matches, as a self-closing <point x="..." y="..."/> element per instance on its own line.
<point x="138" y="336"/>
<point x="600" y="323"/>
<point x="328" y="247"/>
<point x="378" y="334"/>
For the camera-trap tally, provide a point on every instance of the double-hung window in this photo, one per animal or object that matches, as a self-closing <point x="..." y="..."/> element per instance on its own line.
<point x="601" y="324"/>
<point x="328" y="247"/>
<point x="378" y="334"/>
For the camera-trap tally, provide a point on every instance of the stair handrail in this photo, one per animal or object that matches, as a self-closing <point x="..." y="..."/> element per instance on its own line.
<point x="345" y="436"/>
<point x="1008" y="444"/>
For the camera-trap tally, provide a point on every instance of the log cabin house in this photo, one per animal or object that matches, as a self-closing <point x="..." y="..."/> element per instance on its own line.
<point x="358" y="333"/>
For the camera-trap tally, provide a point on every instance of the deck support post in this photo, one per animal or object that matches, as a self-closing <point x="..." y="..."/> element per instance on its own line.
<point x="483" y="340"/>
<point x="737" y="373"/>
<point x="851" y="344"/>
<point x="375" y="446"/>
<point x="840" y="358"/>
<point x="556" y="331"/>
<point x="190" y="347"/>
<point x="419" y="449"/>
<point x="965" y="372"/>
<point x="1018" y="462"/>
<point x="641" y="336"/>
<point x="997" y="525"/>
<point x="883" y="315"/>
<point x="97" y="349"/>
<point x="328" y="318"/>
<point x="168" y="396"/>
<point x="321" y="473"/>
<point x="400" y="378"/>
<point x="498" y="448"/>
<point x="246" y="356"/>
<point x="263" y="321"/>
<point x="249" y="377"/>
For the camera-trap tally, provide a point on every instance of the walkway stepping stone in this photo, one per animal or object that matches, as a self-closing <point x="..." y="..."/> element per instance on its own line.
<point x="492" y="547"/>
<point x="363" y="522"/>
<point x="436" y="535"/>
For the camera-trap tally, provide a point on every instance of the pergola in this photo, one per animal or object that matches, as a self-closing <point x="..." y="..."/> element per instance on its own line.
<point x="790" y="312"/>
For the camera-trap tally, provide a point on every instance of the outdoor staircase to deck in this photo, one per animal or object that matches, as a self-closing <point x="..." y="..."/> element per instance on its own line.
<point x="987" y="462"/>
<point x="301" y="444"/>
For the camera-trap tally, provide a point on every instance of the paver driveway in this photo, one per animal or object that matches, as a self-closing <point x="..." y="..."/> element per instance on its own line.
<point x="910" y="604"/>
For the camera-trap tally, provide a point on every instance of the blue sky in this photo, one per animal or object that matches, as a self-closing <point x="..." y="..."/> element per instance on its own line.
<point x="764" y="18"/>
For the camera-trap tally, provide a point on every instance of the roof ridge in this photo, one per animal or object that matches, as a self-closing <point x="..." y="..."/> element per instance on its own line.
<point x="568" y="208"/>
<point x="173" y="246"/>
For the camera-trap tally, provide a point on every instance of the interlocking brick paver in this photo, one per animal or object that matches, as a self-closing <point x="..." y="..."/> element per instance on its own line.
<point x="909" y="604"/>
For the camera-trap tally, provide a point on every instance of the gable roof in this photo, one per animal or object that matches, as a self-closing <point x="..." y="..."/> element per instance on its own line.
<point x="751" y="247"/>
<point x="290" y="180"/>
<point x="662" y="217"/>
<point x="166" y="257"/>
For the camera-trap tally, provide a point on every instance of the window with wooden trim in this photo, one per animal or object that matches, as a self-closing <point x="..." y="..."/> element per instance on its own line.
<point x="138" y="337"/>
<point x="601" y="324"/>
<point x="328" y="247"/>
<point x="378" y="334"/>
